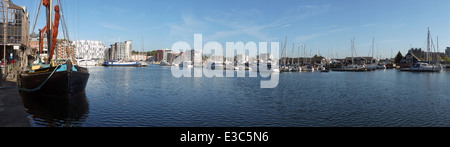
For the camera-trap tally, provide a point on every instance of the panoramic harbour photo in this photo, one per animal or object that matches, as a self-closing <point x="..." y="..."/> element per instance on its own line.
<point x="224" y="63"/>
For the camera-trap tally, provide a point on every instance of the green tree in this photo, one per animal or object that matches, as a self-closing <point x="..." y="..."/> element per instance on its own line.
<point x="447" y="59"/>
<point x="151" y="53"/>
<point x="398" y="58"/>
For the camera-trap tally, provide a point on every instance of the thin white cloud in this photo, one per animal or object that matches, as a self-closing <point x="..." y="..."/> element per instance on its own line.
<point x="285" y="26"/>
<point x="249" y="22"/>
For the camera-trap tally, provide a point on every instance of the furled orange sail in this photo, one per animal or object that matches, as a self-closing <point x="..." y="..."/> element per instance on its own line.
<point x="41" y="43"/>
<point x="55" y="26"/>
<point x="55" y="32"/>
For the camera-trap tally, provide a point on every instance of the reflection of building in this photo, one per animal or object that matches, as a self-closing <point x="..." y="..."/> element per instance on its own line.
<point x="17" y="30"/>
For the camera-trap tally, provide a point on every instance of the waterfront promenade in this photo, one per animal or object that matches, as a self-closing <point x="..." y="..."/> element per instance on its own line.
<point x="12" y="111"/>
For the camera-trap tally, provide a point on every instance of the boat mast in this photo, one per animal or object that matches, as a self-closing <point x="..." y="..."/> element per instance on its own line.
<point x="298" y="60"/>
<point x="49" y="28"/>
<point x="304" y="55"/>
<point x="292" y="60"/>
<point x="437" y="48"/>
<point x="352" y="48"/>
<point x="428" y="46"/>
<point x="284" y="52"/>
<point x="373" y="48"/>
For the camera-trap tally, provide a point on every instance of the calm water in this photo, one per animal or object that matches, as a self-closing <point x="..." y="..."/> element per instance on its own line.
<point x="151" y="96"/>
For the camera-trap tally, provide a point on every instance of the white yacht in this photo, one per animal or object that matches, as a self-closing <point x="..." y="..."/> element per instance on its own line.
<point x="425" y="67"/>
<point x="371" y="66"/>
<point x="307" y="68"/>
<point x="381" y="66"/>
<point x="86" y="63"/>
<point x="143" y="63"/>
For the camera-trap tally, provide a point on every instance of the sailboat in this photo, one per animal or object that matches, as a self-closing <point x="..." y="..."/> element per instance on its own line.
<point x="294" y="67"/>
<point x="54" y="77"/>
<point x="284" y="66"/>
<point x="352" y="66"/>
<point x="143" y="63"/>
<point x="426" y="66"/>
<point x="372" y="66"/>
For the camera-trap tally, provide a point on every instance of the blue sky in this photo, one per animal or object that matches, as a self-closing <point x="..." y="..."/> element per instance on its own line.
<point x="395" y="24"/>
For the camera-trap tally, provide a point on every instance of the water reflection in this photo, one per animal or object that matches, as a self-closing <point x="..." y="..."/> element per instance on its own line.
<point x="49" y="111"/>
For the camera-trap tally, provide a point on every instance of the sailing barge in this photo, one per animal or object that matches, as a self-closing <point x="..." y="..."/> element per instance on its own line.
<point x="55" y="78"/>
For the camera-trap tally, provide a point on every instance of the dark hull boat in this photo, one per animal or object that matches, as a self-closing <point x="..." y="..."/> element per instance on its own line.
<point x="63" y="80"/>
<point x="58" y="77"/>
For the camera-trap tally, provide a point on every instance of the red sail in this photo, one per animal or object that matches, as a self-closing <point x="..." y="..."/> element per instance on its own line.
<point x="55" y="32"/>
<point x="55" y="26"/>
<point x="41" y="43"/>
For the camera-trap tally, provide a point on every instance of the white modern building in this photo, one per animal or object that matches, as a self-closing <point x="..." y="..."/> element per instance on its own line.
<point x="120" y="51"/>
<point x="128" y="49"/>
<point x="89" y="49"/>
